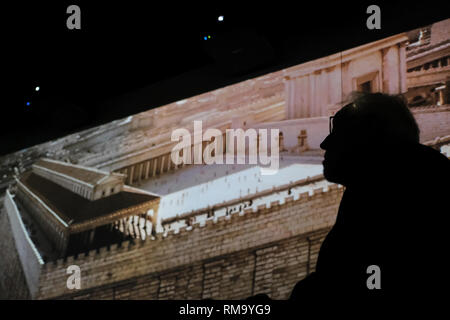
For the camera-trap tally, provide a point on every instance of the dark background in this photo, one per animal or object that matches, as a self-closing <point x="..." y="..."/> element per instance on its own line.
<point x="130" y="57"/>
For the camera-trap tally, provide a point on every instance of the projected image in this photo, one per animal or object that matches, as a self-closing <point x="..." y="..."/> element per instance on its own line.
<point x="233" y="204"/>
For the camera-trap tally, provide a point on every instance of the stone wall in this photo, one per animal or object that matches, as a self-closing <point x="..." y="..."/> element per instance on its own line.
<point x="433" y="121"/>
<point x="440" y="31"/>
<point x="273" y="270"/>
<point x="268" y="250"/>
<point x="20" y="262"/>
<point x="29" y="256"/>
<point x="12" y="279"/>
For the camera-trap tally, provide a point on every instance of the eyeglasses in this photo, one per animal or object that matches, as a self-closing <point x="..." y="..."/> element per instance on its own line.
<point x="332" y="117"/>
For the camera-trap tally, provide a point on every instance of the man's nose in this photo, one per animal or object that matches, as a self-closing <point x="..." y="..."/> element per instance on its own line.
<point x="325" y="143"/>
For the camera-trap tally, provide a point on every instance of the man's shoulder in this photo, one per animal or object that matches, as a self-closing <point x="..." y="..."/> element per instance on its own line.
<point x="432" y="154"/>
<point x="427" y="186"/>
<point x="430" y="162"/>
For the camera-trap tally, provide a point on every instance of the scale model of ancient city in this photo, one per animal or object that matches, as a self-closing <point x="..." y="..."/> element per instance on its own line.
<point x="111" y="200"/>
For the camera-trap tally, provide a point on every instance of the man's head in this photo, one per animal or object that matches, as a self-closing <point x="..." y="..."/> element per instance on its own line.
<point x="362" y="131"/>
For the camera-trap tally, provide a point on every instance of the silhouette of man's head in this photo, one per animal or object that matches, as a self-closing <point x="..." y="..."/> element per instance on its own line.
<point x="361" y="133"/>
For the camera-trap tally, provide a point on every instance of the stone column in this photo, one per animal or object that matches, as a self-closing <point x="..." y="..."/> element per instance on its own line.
<point x="91" y="236"/>
<point x="171" y="165"/>
<point x="161" y="164"/>
<point x="131" y="175"/>
<point x="298" y="96"/>
<point x="163" y="160"/>
<point x="324" y="93"/>
<point x="140" y="165"/>
<point x="402" y="70"/>
<point x="312" y="105"/>
<point x="289" y="91"/>
<point x="157" y="165"/>
<point x="391" y="73"/>
<point x="136" y="172"/>
<point x="345" y="81"/>
<point x="153" y="170"/>
<point x="166" y="165"/>
<point x="334" y="88"/>
<point x="147" y="168"/>
<point x="302" y="96"/>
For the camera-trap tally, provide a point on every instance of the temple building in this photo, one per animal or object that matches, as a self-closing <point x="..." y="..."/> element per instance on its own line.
<point x="80" y="208"/>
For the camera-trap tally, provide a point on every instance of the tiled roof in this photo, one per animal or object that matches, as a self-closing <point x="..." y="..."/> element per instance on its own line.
<point x="88" y="175"/>
<point x="70" y="206"/>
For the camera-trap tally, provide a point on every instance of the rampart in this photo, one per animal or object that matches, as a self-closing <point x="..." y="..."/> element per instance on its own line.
<point x="266" y="250"/>
<point x="22" y="261"/>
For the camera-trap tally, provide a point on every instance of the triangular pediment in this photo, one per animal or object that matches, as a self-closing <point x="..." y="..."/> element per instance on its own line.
<point x="109" y="179"/>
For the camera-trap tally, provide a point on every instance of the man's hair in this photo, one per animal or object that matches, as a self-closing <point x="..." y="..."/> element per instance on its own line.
<point x="384" y="117"/>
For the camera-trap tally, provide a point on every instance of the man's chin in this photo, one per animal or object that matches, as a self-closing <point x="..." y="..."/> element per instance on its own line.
<point x="332" y="176"/>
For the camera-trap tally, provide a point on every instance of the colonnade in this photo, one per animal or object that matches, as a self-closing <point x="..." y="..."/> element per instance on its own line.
<point x="160" y="164"/>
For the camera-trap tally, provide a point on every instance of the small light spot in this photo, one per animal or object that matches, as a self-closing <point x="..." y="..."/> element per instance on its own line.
<point x="37" y="88"/>
<point x="28" y="103"/>
<point x="220" y="18"/>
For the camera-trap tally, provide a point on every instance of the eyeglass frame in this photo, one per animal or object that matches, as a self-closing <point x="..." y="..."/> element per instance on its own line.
<point x="330" y="124"/>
